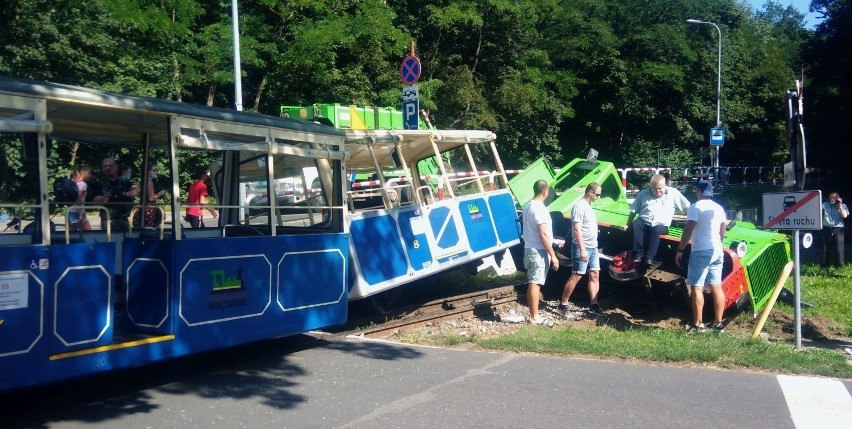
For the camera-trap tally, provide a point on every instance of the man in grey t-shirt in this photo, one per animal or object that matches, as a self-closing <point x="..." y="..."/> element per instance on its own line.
<point x="584" y="252"/>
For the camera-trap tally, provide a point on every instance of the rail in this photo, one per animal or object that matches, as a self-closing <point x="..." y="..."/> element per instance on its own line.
<point x="441" y="309"/>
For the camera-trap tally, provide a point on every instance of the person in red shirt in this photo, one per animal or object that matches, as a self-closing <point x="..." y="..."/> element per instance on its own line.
<point x="197" y="200"/>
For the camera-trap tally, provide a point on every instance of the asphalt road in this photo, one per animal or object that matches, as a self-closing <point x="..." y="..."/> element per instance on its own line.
<point x="324" y="382"/>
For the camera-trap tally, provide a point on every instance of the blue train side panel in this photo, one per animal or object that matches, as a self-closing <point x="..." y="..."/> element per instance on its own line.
<point x="395" y="246"/>
<point x="82" y="284"/>
<point x="181" y="297"/>
<point x="25" y="304"/>
<point x="508" y="229"/>
<point x="377" y="238"/>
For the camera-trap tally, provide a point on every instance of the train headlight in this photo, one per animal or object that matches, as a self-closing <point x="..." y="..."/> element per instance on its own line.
<point x="740" y="248"/>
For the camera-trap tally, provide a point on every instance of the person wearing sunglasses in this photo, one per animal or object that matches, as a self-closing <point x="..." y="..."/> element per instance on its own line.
<point x="651" y="216"/>
<point x="584" y="252"/>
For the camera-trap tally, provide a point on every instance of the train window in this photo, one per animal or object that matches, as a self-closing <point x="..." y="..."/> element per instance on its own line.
<point x="299" y="196"/>
<point x="17" y="213"/>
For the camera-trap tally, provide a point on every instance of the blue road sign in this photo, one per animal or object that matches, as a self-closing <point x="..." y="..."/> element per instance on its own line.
<point x="717" y="136"/>
<point x="410" y="107"/>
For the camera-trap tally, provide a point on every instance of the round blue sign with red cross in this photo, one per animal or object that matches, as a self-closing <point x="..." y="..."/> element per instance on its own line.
<point x="409" y="71"/>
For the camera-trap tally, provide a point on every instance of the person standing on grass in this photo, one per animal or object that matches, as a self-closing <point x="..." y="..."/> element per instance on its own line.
<point x="833" y="213"/>
<point x="705" y="226"/>
<point x="538" y="247"/>
<point x="584" y="252"/>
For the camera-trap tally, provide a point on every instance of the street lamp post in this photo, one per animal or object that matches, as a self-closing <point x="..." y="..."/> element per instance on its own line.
<point x="718" y="89"/>
<point x="238" y="84"/>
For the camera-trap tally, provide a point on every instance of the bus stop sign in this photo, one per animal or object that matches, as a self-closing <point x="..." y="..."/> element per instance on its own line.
<point x="717" y="136"/>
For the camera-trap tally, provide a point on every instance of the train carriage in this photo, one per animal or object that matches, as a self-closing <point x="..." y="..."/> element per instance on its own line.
<point x="438" y="201"/>
<point x="421" y="201"/>
<point x="76" y="302"/>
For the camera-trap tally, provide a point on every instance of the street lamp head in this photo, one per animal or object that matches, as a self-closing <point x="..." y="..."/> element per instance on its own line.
<point x="694" y="21"/>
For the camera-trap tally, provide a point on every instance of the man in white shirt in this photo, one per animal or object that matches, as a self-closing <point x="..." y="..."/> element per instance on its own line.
<point x="538" y="247"/>
<point x="705" y="225"/>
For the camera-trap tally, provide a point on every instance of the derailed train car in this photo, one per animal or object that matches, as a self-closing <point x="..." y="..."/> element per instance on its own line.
<point x="754" y="258"/>
<point x="421" y="202"/>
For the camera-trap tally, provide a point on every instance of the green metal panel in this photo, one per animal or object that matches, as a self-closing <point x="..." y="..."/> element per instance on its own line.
<point x="297" y="112"/>
<point x="368" y="116"/>
<point x="522" y="184"/>
<point x="768" y="252"/>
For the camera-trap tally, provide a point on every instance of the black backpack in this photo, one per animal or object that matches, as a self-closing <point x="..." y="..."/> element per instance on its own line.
<point x="65" y="190"/>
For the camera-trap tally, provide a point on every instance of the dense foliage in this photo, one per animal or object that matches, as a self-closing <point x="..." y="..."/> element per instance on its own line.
<point x="629" y="78"/>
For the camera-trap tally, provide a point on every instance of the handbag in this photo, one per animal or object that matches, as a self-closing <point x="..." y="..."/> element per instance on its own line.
<point x="153" y="217"/>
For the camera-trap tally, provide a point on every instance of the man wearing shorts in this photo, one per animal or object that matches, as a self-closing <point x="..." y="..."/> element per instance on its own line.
<point x="705" y="225"/>
<point x="538" y="247"/>
<point x="584" y="252"/>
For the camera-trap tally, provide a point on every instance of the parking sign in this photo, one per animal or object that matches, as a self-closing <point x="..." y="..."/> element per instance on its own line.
<point x="410" y="107"/>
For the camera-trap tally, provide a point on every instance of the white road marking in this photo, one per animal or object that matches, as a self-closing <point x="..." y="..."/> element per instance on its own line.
<point x="817" y="402"/>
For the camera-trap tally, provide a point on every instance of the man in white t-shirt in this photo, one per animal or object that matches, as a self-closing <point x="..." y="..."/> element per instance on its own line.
<point x="538" y="247"/>
<point x="705" y="225"/>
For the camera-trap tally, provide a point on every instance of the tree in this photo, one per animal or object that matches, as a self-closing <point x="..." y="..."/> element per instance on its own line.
<point x="828" y="88"/>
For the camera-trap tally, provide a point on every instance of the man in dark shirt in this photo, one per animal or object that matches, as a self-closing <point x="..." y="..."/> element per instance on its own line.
<point x="117" y="194"/>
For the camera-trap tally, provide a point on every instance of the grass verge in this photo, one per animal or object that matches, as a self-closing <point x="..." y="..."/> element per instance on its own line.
<point x="659" y="345"/>
<point x="826" y="289"/>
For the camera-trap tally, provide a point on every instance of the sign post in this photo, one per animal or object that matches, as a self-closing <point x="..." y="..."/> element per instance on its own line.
<point x="795" y="211"/>
<point x="409" y="73"/>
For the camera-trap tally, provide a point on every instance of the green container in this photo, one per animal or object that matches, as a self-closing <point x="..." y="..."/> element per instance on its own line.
<point x="299" y="113"/>
<point x="342" y="116"/>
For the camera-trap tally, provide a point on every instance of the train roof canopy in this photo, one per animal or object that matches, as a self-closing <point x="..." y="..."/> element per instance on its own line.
<point x="92" y="116"/>
<point x="415" y="145"/>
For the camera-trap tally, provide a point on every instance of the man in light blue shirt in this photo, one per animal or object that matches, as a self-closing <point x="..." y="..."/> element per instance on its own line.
<point x="833" y="213"/>
<point x="653" y="210"/>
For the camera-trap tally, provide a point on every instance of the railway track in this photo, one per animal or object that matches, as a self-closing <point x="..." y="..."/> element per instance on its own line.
<point x="470" y="304"/>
